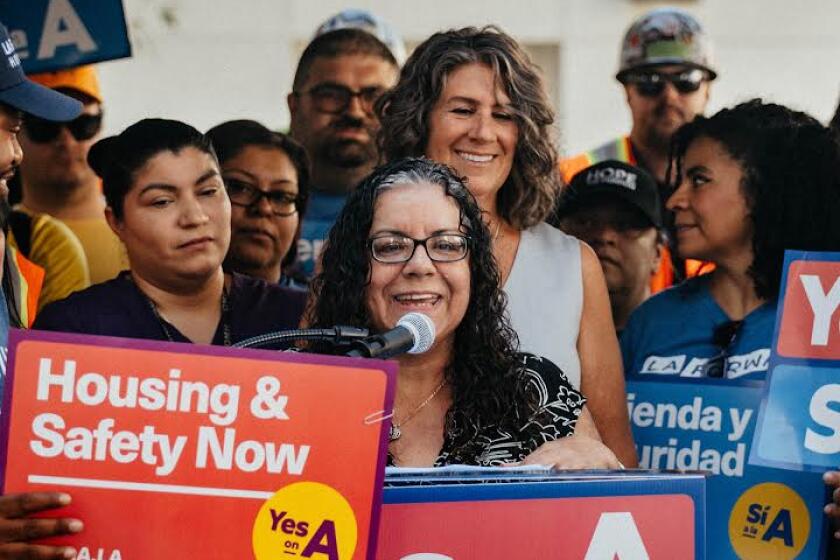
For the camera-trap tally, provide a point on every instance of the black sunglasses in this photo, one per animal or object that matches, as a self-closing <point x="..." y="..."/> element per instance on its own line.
<point x="334" y="99"/>
<point x="723" y="337"/>
<point x="652" y="84"/>
<point x="83" y="127"/>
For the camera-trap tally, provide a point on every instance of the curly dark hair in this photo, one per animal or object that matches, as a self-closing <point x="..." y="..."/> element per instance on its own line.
<point x="483" y="372"/>
<point x="528" y="195"/>
<point x="791" y="180"/>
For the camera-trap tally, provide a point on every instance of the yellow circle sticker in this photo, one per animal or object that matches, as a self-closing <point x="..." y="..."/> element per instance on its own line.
<point x="305" y="520"/>
<point x="769" y="520"/>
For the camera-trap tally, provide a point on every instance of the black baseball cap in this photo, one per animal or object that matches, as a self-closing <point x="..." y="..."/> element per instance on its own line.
<point x="613" y="179"/>
<point x="19" y="92"/>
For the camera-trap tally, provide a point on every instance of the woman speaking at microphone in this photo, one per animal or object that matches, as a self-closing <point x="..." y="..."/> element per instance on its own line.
<point x="411" y="239"/>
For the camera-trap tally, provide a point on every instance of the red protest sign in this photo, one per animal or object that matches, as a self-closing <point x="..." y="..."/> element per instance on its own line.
<point x="809" y="321"/>
<point x="186" y="443"/>
<point x="583" y="527"/>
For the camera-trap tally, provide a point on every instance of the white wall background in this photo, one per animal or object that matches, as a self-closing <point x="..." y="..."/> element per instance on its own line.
<point x="207" y="61"/>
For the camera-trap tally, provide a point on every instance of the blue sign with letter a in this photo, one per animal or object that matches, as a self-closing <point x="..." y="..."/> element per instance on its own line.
<point x="53" y="34"/>
<point x="799" y="420"/>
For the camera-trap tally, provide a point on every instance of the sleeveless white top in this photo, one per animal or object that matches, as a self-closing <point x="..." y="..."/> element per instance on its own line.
<point x="545" y="297"/>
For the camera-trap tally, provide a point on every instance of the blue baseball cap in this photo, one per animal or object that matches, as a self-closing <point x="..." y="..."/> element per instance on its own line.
<point x="21" y="93"/>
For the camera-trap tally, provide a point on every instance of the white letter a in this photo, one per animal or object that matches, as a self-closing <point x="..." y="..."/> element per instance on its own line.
<point x="616" y="537"/>
<point x="62" y="26"/>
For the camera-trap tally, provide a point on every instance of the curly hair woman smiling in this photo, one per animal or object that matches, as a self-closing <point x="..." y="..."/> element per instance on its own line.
<point x="411" y="238"/>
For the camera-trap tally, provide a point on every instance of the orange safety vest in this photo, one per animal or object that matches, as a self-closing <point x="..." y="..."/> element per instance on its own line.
<point x="621" y="149"/>
<point x="27" y="278"/>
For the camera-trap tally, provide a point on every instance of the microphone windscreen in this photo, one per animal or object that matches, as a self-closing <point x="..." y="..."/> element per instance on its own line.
<point x="422" y="329"/>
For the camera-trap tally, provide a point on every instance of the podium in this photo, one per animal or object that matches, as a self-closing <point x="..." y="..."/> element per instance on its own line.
<point x="456" y="513"/>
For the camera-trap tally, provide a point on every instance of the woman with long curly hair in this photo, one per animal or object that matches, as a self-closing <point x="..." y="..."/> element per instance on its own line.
<point x="412" y="239"/>
<point x="472" y="99"/>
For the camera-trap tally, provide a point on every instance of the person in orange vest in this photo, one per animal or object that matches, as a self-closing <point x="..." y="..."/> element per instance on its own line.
<point x="666" y="69"/>
<point x="18" y="291"/>
<point x="19" y="96"/>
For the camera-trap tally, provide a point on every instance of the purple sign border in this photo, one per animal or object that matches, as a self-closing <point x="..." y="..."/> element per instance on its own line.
<point x="389" y="368"/>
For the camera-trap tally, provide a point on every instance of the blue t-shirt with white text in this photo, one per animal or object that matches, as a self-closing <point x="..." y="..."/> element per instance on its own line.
<point x="672" y="334"/>
<point x="321" y="212"/>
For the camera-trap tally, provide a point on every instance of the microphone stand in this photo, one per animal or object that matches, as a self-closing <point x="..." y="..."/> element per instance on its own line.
<point x="375" y="347"/>
<point x="338" y="336"/>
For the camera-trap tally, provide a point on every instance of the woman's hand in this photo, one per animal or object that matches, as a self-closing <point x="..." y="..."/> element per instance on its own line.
<point x="16" y="528"/>
<point x="573" y="452"/>
<point x="832" y="510"/>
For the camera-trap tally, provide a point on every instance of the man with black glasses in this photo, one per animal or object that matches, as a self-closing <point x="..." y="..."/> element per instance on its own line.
<point x="56" y="179"/>
<point x="340" y="76"/>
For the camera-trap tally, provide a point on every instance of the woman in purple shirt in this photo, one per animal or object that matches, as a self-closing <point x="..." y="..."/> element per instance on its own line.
<point x="167" y="203"/>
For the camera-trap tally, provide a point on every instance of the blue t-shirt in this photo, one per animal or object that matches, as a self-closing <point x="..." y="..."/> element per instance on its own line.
<point x="321" y="213"/>
<point x="672" y="334"/>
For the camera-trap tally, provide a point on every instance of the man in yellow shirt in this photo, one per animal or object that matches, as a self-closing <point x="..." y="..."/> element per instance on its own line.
<point x="51" y="245"/>
<point x="55" y="176"/>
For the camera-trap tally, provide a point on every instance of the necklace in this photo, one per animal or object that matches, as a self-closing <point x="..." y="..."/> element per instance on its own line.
<point x="395" y="433"/>
<point x="498" y="229"/>
<point x="165" y="326"/>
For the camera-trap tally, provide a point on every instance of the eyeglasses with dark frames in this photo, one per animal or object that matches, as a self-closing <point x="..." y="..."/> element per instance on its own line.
<point x="393" y="249"/>
<point x="334" y="98"/>
<point x="83" y="127"/>
<point x="282" y="203"/>
<point x="723" y="337"/>
<point x="651" y="83"/>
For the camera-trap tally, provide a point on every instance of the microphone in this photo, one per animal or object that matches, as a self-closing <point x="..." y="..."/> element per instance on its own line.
<point x="414" y="333"/>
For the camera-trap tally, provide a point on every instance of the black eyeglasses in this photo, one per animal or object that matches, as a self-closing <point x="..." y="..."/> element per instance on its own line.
<point x="652" y="84"/>
<point x="445" y="247"/>
<point x="334" y="99"/>
<point x="723" y="337"/>
<point x="244" y="194"/>
<point x="83" y="127"/>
